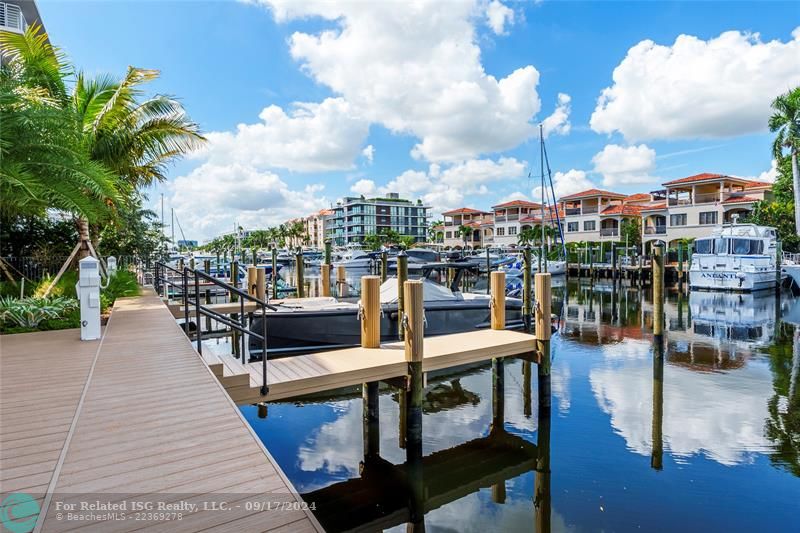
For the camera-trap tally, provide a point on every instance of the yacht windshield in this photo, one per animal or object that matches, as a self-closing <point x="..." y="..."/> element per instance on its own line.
<point x="703" y="246"/>
<point x="747" y="246"/>
<point x="720" y="246"/>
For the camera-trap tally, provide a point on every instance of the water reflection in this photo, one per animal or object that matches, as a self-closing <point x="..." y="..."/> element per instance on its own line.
<point x="632" y="436"/>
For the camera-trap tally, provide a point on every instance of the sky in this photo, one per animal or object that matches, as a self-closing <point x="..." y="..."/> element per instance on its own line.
<point x="304" y="103"/>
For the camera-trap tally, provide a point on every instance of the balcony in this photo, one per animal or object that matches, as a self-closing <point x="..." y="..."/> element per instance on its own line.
<point x="655" y="230"/>
<point x="11" y="18"/>
<point x="704" y="198"/>
<point x="609" y="232"/>
<point x="589" y="209"/>
<point x="571" y="211"/>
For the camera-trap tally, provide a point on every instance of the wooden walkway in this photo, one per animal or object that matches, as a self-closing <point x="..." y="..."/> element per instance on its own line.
<point x="307" y="374"/>
<point x="139" y="417"/>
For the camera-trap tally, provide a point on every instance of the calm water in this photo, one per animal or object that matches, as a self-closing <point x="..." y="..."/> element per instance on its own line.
<point x="718" y="449"/>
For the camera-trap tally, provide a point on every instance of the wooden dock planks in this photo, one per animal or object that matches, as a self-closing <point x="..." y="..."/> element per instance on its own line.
<point x="306" y="374"/>
<point x="153" y="424"/>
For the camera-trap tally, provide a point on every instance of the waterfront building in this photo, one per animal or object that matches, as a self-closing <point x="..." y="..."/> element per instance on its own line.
<point x="16" y="16"/>
<point x="508" y="220"/>
<point x="316" y="227"/>
<point x="481" y="224"/>
<point x="356" y="217"/>
<point x="690" y="207"/>
<point x="596" y="215"/>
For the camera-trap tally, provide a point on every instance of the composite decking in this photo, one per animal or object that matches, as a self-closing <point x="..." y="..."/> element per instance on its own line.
<point x="308" y="374"/>
<point x="136" y="416"/>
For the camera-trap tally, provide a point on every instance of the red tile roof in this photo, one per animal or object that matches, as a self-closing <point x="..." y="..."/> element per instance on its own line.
<point x="638" y="197"/>
<point x="706" y="176"/>
<point x="466" y="211"/>
<point x="740" y="199"/>
<point x="517" y="203"/>
<point x="758" y="185"/>
<point x="624" y="209"/>
<point x="591" y="193"/>
<point x="658" y="206"/>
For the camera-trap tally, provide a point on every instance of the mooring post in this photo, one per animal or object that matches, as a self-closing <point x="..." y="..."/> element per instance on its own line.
<point x="657" y="453"/>
<point x="217" y="270"/>
<point x="341" y="281"/>
<point x="488" y="269"/>
<point x="591" y="262"/>
<point x="526" y="389"/>
<point x="252" y="272"/>
<point x="207" y="268"/>
<point x="778" y="259"/>
<point x="680" y="266"/>
<point x="274" y="275"/>
<point x="234" y="298"/>
<point x="498" y="394"/>
<point x="614" y="272"/>
<point x="402" y="276"/>
<point x="414" y="353"/>
<point x="498" y="300"/>
<point x="543" y="284"/>
<point x="384" y="265"/>
<point x="255" y="256"/>
<point x="298" y="262"/>
<point x="658" y="293"/>
<point x="542" y="499"/>
<point x="325" y="274"/>
<point x="371" y="420"/>
<point x="261" y="283"/>
<point x="527" y="288"/>
<point x="370" y="312"/>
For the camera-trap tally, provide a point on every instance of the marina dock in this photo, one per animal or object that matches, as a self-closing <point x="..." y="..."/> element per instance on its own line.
<point x="136" y="415"/>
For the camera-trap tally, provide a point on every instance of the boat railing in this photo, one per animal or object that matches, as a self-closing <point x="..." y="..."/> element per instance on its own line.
<point x="790" y="258"/>
<point x="190" y="280"/>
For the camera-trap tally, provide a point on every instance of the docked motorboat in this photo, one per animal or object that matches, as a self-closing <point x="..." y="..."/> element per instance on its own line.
<point x="417" y="258"/>
<point x="354" y="259"/>
<point x="515" y="269"/>
<point x="736" y="257"/>
<point x="307" y="324"/>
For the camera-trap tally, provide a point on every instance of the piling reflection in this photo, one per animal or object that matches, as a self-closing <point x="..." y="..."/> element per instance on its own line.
<point x="387" y="495"/>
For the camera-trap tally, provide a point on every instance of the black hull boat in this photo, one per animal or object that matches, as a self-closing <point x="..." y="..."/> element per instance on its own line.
<point x="297" y="326"/>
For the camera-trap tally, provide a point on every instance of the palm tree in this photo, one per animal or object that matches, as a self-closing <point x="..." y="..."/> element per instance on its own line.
<point x="527" y="236"/>
<point x="465" y="232"/>
<point x="134" y="139"/>
<point x="786" y="122"/>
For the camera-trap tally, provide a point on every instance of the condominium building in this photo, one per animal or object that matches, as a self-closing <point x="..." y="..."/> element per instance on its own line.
<point x="689" y="207"/>
<point x="317" y="226"/>
<point x="596" y="215"/>
<point x="481" y="224"/>
<point x="508" y="220"/>
<point x="356" y="217"/>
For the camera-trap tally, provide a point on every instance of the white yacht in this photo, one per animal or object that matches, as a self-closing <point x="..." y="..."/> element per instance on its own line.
<point x="736" y="257"/>
<point x="354" y="258"/>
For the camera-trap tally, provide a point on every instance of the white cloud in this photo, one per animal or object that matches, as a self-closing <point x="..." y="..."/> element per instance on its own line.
<point x="211" y="198"/>
<point x="516" y="195"/>
<point x="498" y="15"/>
<point x="311" y="137"/>
<point x="695" y="88"/>
<point x="624" y="165"/>
<point x="363" y="186"/>
<point x="566" y="183"/>
<point x="558" y="122"/>
<point x="369" y="153"/>
<point x="769" y="175"/>
<point x="416" y="69"/>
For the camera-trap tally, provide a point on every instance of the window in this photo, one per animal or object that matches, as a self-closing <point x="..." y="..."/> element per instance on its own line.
<point x="512" y="230"/>
<point x="677" y="220"/>
<point x="708" y="217"/>
<point x="703" y="246"/>
<point x="589" y="225"/>
<point x="448" y="235"/>
<point x="720" y="245"/>
<point x="501" y="232"/>
<point x="746" y="247"/>
<point x="572" y="226"/>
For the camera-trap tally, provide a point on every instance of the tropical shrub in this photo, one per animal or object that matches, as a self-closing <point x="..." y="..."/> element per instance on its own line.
<point x="30" y="312"/>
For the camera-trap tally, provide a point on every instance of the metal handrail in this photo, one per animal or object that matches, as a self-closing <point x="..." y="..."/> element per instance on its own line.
<point x="203" y="311"/>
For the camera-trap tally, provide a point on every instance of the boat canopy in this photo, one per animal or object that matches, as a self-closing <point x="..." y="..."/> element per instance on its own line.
<point x="431" y="292"/>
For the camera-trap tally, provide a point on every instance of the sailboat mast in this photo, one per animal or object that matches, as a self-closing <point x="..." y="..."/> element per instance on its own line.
<point x="541" y="175"/>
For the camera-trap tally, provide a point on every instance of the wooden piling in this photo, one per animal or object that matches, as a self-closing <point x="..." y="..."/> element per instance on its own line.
<point x="325" y="274"/>
<point x="414" y="353"/>
<point x="488" y="268"/>
<point x="680" y="265"/>
<point x="402" y="276"/>
<point x="527" y="289"/>
<point x="234" y="280"/>
<point x="371" y="420"/>
<point x="778" y="259"/>
<point x="614" y="271"/>
<point x="299" y="266"/>
<point x="370" y="312"/>
<point x="591" y="261"/>
<point x="274" y="273"/>
<point x="341" y="281"/>
<point x="658" y="292"/>
<point x="261" y="283"/>
<point x="252" y="273"/>
<point x="657" y="452"/>
<point x="498" y="300"/>
<point x="384" y="265"/>
<point x="542" y="290"/>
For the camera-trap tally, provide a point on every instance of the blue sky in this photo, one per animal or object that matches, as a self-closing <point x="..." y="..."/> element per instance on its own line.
<point x="448" y="95"/>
